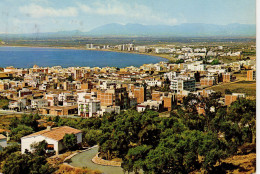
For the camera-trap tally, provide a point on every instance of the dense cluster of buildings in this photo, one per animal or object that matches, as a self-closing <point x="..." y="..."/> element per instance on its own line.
<point x="179" y="52"/>
<point x="91" y="92"/>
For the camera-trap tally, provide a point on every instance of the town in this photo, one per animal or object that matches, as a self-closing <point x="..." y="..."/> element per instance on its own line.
<point x="51" y="114"/>
<point x="91" y="92"/>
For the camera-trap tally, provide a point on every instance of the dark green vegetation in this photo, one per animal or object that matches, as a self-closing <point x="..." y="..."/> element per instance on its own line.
<point x="24" y="126"/>
<point x="215" y="62"/>
<point x="4" y="103"/>
<point x="182" y="143"/>
<point x="69" y="141"/>
<point x="177" y="61"/>
<point x="13" y="162"/>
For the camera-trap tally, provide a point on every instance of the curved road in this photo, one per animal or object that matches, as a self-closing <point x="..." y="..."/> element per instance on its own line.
<point x="84" y="160"/>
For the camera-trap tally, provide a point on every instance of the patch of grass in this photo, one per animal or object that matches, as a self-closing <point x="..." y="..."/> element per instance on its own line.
<point x="247" y="87"/>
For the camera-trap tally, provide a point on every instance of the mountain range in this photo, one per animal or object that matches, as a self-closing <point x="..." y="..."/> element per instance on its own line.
<point x="139" y="30"/>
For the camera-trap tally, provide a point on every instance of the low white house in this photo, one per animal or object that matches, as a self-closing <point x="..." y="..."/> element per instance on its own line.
<point x="53" y="136"/>
<point x="39" y="103"/>
<point x="3" y="141"/>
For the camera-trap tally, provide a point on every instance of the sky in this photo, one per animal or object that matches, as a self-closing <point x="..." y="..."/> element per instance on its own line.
<point x="36" y="16"/>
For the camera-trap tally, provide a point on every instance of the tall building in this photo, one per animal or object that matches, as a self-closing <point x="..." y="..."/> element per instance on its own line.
<point x="113" y="97"/>
<point x="208" y="81"/>
<point x="227" y="77"/>
<point x="251" y="75"/>
<point x="88" y="108"/>
<point x="139" y="93"/>
<point x="230" y="98"/>
<point x="183" y="83"/>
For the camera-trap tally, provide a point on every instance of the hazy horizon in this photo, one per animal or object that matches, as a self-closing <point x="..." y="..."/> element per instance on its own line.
<point x="39" y="16"/>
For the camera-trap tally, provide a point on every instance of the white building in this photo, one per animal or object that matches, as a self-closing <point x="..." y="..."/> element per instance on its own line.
<point x="153" y="82"/>
<point x="53" y="136"/>
<point x="171" y="75"/>
<point x="183" y="83"/>
<point x="109" y="109"/>
<point x="17" y="105"/>
<point x="82" y="96"/>
<point x="39" y="103"/>
<point x="162" y="50"/>
<point x="88" y="108"/>
<point x="151" y="104"/>
<point x="195" y="67"/>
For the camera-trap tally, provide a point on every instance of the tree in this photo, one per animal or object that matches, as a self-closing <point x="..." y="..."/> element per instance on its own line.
<point x="228" y="91"/>
<point x="215" y="62"/>
<point x="92" y="136"/>
<point x="17" y="163"/>
<point x="179" y="61"/>
<point x="135" y="158"/>
<point x="40" y="148"/>
<point x="70" y="78"/>
<point x="243" y="112"/>
<point x="69" y="140"/>
<point x="20" y="131"/>
<point x="175" y="154"/>
<point x="9" y="150"/>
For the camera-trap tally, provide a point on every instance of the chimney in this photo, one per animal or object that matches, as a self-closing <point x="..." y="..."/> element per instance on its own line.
<point x="49" y="128"/>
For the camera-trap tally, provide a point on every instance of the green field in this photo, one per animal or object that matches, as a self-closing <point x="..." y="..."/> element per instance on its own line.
<point x="247" y="87"/>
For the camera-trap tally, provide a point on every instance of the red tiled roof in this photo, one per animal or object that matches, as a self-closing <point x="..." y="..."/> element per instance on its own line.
<point x="56" y="133"/>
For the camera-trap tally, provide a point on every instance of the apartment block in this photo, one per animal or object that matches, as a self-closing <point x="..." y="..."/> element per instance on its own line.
<point x="251" y="75"/>
<point x="230" y="98"/>
<point x="139" y="93"/>
<point x="88" y="108"/>
<point x="113" y="97"/>
<point x="208" y="81"/>
<point x="181" y="84"/>
<point x="227" y="77"/>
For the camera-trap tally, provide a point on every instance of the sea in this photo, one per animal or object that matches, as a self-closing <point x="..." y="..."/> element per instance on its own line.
<point x="26" y="57"/>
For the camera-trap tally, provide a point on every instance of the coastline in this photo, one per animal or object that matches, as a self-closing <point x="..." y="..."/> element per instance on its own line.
<point x="83" y="48"/>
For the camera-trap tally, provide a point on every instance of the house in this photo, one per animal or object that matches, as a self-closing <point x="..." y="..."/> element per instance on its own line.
<point x="53" y="136"/>
<point x="3" y="140"/>
<point x="60" y="110"/>
<point x="39" y="103"/>
<point x="150" y="104"/>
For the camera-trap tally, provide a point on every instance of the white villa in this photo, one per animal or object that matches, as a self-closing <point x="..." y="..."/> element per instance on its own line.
<point x="53" y="136"/>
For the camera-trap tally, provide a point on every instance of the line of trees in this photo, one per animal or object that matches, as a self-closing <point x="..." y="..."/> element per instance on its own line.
<point x="182" y="143"/>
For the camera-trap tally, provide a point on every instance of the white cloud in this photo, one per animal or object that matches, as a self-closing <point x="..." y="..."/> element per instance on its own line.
<point x="133" y="12"/>
<point x="40" y="1"/>
<point x="37" y="11"/>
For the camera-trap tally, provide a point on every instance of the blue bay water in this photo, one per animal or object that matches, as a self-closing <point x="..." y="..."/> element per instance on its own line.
<point x="26" y="57"/>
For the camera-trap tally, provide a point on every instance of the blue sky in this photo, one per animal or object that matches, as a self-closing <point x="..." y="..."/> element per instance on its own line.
<point x="30" y="16"/>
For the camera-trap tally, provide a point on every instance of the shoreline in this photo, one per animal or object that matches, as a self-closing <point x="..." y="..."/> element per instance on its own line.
<point x="83" y="48"/>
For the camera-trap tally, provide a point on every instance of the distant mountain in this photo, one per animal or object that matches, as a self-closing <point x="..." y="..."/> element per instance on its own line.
<point x="189" y="29"/>
<point x="139" y="30"/>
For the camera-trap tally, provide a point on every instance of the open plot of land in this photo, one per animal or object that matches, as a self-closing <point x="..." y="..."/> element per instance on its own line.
<point x="241" y="76"/>
<point x="6" y="118"/>
<point x="247" y="87"/>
